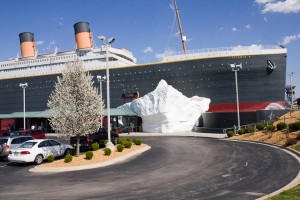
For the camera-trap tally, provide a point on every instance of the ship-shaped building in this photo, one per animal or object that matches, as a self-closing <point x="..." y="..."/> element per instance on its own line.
<point x="206" y="73"/>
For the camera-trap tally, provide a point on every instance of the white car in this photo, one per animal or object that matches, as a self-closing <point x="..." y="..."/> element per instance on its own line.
<point x="38" y="150"/>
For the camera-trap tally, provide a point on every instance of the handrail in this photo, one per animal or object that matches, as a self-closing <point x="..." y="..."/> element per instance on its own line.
<point x="218" y="49"/>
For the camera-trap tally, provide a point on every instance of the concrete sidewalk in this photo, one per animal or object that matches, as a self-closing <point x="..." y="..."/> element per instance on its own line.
<point x="182" y="134"/>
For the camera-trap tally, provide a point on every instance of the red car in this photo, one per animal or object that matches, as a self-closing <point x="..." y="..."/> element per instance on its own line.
<point x="36" y="134"/>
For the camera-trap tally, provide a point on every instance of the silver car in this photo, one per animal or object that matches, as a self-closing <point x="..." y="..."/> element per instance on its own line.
<point x="8" y="143"/>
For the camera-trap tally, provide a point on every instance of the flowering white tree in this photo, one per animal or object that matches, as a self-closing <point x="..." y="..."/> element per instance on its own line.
<point x="75" y="104"/>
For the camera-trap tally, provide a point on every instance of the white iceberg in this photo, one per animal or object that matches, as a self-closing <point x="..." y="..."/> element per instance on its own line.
<point x="166" y="110"/>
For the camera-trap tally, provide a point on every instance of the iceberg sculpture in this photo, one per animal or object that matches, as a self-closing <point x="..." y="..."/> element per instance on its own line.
<point x="166" y="110"/>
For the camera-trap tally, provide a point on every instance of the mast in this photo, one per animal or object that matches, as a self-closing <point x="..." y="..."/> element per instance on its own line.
<point x="183" y="38"/>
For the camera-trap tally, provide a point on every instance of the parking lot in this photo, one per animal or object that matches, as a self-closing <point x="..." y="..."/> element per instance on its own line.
<point x="174" y="168"/>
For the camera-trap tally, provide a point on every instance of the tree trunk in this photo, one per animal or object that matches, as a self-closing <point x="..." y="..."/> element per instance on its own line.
<point x="77" y="145"/>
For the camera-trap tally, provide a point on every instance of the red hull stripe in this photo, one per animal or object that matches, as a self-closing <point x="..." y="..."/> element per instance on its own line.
<point x="231" y="107"/>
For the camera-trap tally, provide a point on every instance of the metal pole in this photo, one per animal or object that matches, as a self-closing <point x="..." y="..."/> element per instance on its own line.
<point x="24" y="108"/>
<point x="108" y="97"/>
<point x="237" y="100"/>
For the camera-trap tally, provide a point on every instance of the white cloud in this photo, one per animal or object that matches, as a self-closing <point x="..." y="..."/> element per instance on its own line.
<point x="189" y="39"/>
<point x="275" y="6"/>
<point x="167" y="52"/>
<point x="148" y="49"/>
<point x="39" y="42"/>
<point x="221" y="29"/>
<point x="171" y="6"/>
<point x="263" y="1"/>
<point x="234" y="29"/>
<point x="248" y="27"/>
<point x="288" y="39"/>
<point x="265" y="19"/>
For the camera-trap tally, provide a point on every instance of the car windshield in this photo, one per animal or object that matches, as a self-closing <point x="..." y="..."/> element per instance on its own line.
<point x="3" y="141"/>
<point x="27" y="145"/>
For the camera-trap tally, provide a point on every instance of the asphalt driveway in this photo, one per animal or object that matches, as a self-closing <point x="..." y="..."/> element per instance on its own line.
<point x="174" y="168"/>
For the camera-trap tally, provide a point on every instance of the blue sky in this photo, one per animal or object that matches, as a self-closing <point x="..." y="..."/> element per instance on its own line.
<point x="147" y="27"/>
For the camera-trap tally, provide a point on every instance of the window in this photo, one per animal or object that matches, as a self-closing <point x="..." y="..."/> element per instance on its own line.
<point x="54" y="143"/>
<point x="44" y="144"/>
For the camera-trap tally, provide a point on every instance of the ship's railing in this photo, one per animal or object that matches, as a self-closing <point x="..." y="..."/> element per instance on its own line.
<point x="223" y="49"/>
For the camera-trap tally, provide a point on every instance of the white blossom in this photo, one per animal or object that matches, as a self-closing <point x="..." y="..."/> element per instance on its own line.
<point x="75" y="104"/>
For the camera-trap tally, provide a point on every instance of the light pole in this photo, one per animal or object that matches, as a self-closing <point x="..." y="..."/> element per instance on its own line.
<point x="291" y="87"/>
<point x="24" y="85"/>
<point x="236" y="68"/>
<point x="100" y="79"/>
<point x="110" y="41"/>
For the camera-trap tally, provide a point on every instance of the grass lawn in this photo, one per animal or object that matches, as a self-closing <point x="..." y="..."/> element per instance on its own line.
<point x="297" y="147"/>
<point x="292" y="194"/>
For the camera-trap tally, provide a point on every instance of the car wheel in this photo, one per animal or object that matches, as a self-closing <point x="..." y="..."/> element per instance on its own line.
<point x="67" y="152"/>
<point x="38" y="159"/>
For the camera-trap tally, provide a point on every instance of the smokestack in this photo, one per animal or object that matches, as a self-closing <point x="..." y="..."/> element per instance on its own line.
<point x="83" y="36"/>
<point x="27" y="44"/>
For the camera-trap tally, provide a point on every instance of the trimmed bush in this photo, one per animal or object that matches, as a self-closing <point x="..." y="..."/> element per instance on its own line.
<point x="230" y="133"/>
<point x="105" y="142"/>
<point x="271" y="128"/>
<point x="119" y="140"/>
<point x="107" y="151"/>
<point x="95" y="146"/>
<point x="50" y="158"/>
<point x="294" y="126"/>
<point x="127" y="139"/>
<point x="281" y="125"/>
<point x="290" y="142"/>
<point x="68" y="158"/>
<point x="250" y="129"/>
<point x="127" y="145"/>
<point x="260" y="126"/>
<point x="241" y="131"/>
<point x="137" y="141"/>
<point x="120" y="147"/>
<point x="271" y="123"/>
<point x="89" y="155"/>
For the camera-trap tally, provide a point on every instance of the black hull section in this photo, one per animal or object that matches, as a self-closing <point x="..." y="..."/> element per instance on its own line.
<point x="211" y="78"/>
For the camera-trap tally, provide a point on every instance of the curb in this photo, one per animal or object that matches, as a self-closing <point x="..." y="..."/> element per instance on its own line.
<point x="91" y="166"/>
<point x="290" y="185"/>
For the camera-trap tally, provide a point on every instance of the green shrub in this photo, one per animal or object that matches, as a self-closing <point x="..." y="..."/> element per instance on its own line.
<point x="250" y="129"/>
<point x="95" y="146"/>
<point x="137" y="141"/>
<point x="260" y="126"/>
<point x="230" y="133"/>
<point x="241" y="131"/>
<point x="50" y="158"/>
<point x="280" y="126"/>
<point x="290" y="142"/>
<point x="271" y="123"/>
<point x="105" y="142"/>
<point x="271" y="128"/>
<point x="121" y="141"/>
<point x="294" y="126"/>
<point x="127" y="144"/>
<point x="120" y="147"/>
<point x="68" y="158"/>
<point x="107" y="151"/>
<point x="89" y="155"/>
<point x="127" y="139"/>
